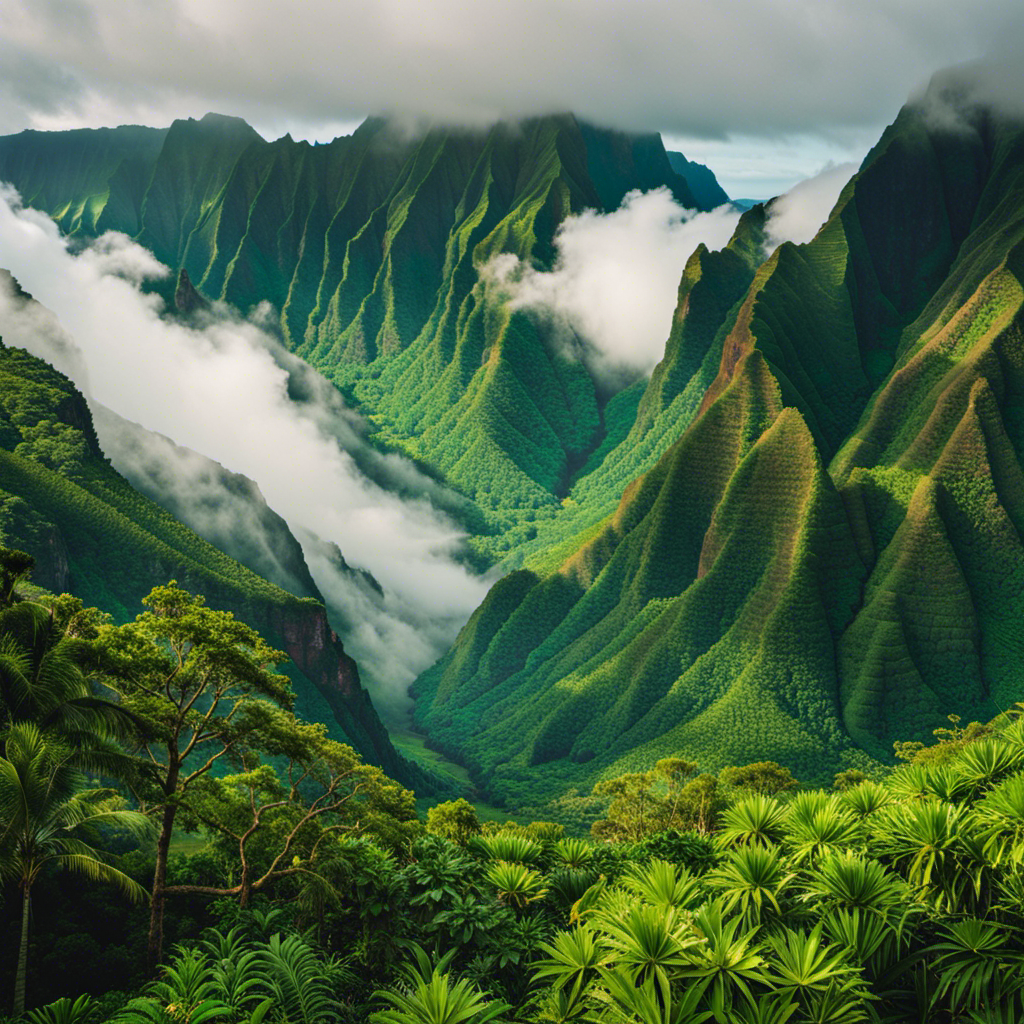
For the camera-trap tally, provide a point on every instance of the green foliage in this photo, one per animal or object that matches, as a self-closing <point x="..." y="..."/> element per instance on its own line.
<point x="64" y="1011"/>
<point x="436" y="998"/>
<point x="455" y="820"/>
<point x="507" y="846"/>
<point x="514" y="884"/>
<point x="756" y="818"/>
<point x="763" y="777"/>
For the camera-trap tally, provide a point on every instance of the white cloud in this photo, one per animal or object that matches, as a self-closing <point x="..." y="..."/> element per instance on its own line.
<point x="617" y="274"/>
<point x="797" y="215"/>
<point x="222" y="389"/>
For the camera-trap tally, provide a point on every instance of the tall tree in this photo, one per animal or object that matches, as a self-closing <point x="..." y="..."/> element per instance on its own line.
<point x="204" y="685"/>
<point x="283" y="819"/>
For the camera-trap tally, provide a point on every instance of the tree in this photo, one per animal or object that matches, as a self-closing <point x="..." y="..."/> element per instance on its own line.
<point x="49" y="818"/>
<point x="203" y="684"/>
<point x="764" y="777"/>
<point x="283" y="820"/>
<point x="454" y="819"/>
<point x="643" y="803"/>
<point x="15" y="567"/>
<point x="46" y="657"/>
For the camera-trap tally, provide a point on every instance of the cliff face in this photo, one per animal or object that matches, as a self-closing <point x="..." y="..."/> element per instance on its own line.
<point x="318" y="653"/>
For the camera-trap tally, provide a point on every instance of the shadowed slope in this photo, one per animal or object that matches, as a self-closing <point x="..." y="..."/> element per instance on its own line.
<point x="94" y="535"/>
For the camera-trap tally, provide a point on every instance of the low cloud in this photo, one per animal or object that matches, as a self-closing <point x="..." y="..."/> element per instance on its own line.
<point x="797" y="215"/>
<point x="954" y="95"/>
<point x="614" y="284"/>
<point x="225" y="388"/>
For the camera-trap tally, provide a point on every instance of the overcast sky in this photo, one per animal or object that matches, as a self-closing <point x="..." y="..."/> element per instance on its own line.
<point x="766" y="91"/>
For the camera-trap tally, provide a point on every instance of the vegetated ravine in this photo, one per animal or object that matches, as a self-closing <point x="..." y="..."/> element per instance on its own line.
<point x="800" y="538"/>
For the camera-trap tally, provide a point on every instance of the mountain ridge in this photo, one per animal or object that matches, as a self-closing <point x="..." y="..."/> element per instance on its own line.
<point x="818" y="597"/>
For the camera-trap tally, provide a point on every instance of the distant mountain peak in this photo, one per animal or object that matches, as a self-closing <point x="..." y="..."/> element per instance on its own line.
<point x="701" y="179"/>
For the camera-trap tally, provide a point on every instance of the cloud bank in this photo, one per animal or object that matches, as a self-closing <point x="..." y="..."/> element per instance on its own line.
<point x="223" y="388"/>
<point x="797" y="215"/>
<point x="615" y="279"/>
<point x="767" y="67"/>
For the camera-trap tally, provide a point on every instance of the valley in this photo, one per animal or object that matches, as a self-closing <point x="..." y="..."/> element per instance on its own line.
<point x="798" y="538"/>
<point x="458" y="565"/>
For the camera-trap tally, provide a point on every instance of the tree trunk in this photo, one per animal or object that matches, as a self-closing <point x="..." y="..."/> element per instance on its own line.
<point x="154" y="946"/>
<point x="19" y="979"/>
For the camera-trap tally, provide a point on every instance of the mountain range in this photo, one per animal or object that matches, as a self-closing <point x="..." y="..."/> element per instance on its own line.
<point x="799" y="538"/>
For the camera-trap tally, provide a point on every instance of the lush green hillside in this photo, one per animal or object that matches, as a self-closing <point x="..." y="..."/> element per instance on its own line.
<point x="827" y="555"/>
<point x="92" y="534"/>
<point x="369" y="248"/>
<point x="801" y="537"/>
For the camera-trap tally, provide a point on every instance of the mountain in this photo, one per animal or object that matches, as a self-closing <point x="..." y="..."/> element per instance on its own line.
<point x="827" y="554"/>
<point x="799" y="539"/>
<point x="369" y="248"/>
<point x="94" y="535"/>
<point x="701" y="179"/>
<point x="227" y="509"/>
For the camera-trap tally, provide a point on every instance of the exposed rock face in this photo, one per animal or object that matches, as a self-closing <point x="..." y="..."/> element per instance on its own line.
<point x="53" y="569"/>
<point x="318" y="653"/>
<point x="186" y="299"/>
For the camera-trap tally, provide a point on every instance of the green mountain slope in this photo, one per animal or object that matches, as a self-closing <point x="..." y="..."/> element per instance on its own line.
<point x="92" y="534"/>
<point x="369" y="249"/>
<point x="830" y="555"/>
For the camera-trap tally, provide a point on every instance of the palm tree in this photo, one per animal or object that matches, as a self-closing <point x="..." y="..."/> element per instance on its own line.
<point x="43" y="680"/>
<point x="46" y="817"/>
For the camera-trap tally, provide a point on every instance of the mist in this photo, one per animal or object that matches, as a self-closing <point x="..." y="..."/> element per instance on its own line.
<point x="613" y="289"/>
<point x="225" y="388"/>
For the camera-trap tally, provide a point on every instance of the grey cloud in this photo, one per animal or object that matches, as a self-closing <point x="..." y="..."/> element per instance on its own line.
<point x="761" y="67"/>
<point x="30" y="85"/>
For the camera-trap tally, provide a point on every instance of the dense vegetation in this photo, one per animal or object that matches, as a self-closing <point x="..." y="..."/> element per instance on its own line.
<point x="736" y="898"/>
<point x="823" y="553"/>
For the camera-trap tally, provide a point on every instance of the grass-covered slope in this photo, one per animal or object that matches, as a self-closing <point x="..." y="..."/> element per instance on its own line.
<point x="369" y="248"/>
<point x="829" y="557"/>
<point x="644" y="420"/>
<point x="92" y="534"/>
